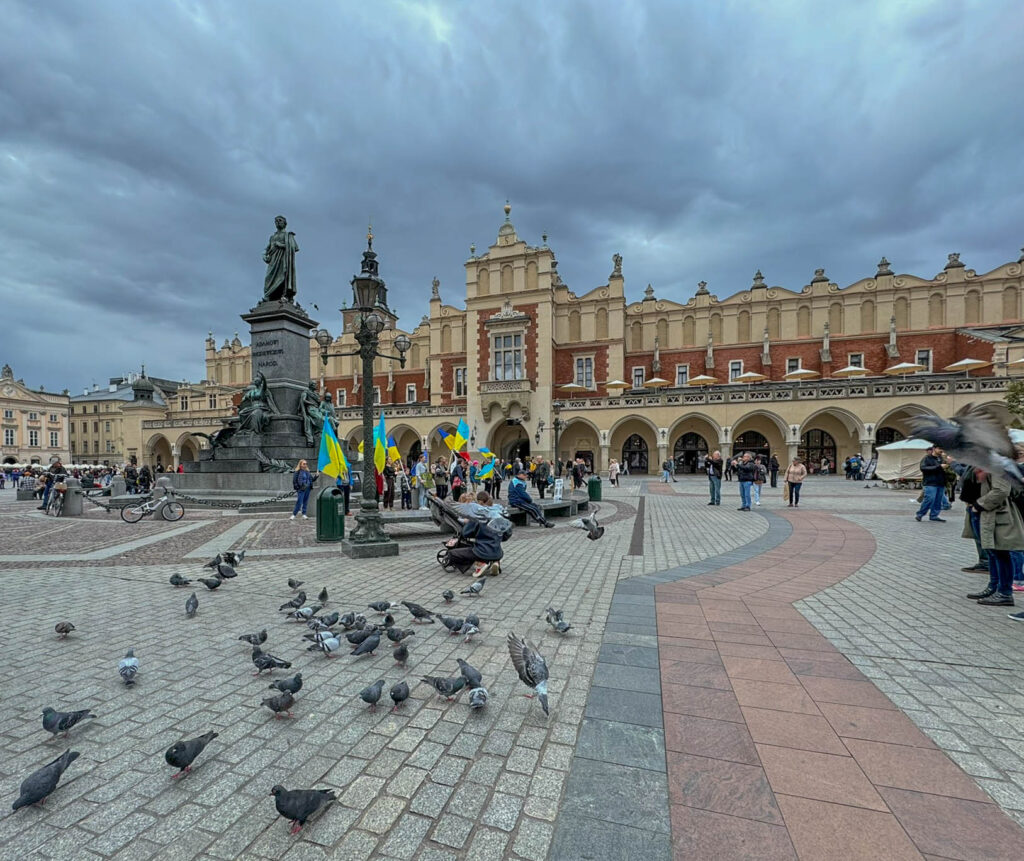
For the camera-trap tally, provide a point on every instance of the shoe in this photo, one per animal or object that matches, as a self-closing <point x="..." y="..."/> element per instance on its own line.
<point x="1017" y="617"/>
<point x="971" y="569"/>
<point x="757" y="503"/>
<point x="917" y="517"/>
<point x="790" y="505"/>
<point x="304" y="517"/>
<point x="711" y="503"/>
<point x="548" y="524"/>
<point x="984" y="593"/>
<point x="997" y="600"/>
<point x="292" y="517"/>
<point x="937" y="519"/>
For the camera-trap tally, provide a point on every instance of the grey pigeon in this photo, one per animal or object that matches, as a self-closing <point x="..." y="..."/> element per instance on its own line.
<point x="447" y="688"/>
<point x="294" y="584"/>
<point x="356" y="637"/>
<point x="295" y="603"/>
<point x="226" y="572"/>
<point x="211" y="583"/>
<point x="401" y="653"/>
<point x="63" y="628"/>
<point x="306" y="613"/>
<point x="292" y="685"/>
<point x="255" y="639"/>
<point x="234" y="557"/>
<point x="473" y="619"/>
<point x="178" y="580"/>
<point x="419" y="614"/>
<point x="191" y="605"/>
<point x="128" y="667"/>
<point x="213" y="563"/>
<point x="381" y="606"/>
<point x="368" y="645"/>
<point x="531" y="667"/>
<point x="347" y="621"/>
<point x="265" y="661"/>
<point x="399" y="694"/>
<point x="328" y="621"/>
<point x="371" y="694"/>
<point x="298" y="805"/>
<point x="450" y="622"/>
<point x="38" y="785"/>
<point x="470" y="673"/>
<point x="55" y="721"/>
<point x="468" y="630"/>
<point x="396" y="635"/>
<point x="448" y="596"/>
<point x="556" y="620"/>
<point x="326" y="643"/>
<point x="183" y="753"/>
<point x="389" y="620"/>
<point x="474" y="588"/>
<point x="478" y="698"/>
<point x="281" y="703"/>
<point x="594" y="531"/>
<point x="322" y="597"/>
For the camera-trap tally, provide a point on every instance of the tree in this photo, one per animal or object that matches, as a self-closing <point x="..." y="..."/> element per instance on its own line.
<point x="1015" y="400"/>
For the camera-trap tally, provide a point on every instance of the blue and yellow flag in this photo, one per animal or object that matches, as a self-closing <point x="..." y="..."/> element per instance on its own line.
<point x="332" y="459"/>
<point x="380" y="457"/>
<point x="461" y="435"/>
<point x="393" y="452"/>
<point x="446" y="438"/>
<point x="486" y="453"/>
<point x="486" y="471"/>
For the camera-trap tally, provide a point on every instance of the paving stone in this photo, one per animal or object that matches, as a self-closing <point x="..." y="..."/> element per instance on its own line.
<point x="431" y="799"/>
<point x="503" y="811"/>
<point x="533" y="839"/>
<point x="405" y="837"/>
<point x="452" y="831"/>
<point x="488" y="845"/>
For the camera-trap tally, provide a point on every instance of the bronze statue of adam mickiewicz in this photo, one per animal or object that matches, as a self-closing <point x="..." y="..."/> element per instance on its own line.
<point x="279" y="283"/>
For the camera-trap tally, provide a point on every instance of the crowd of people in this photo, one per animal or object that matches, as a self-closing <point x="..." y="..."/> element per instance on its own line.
<point x="752" y="472"/>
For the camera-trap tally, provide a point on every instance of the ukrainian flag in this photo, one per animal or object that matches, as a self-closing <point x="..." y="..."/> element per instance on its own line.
<point x="461" y="435"/>
<point x="380" y="457"/>
<point x="486" y="471"/>
<point x="332" y="459"/>
<point x="445" y="438"/>
<point x="393" y="451"/>
<point x="486" y="452"/>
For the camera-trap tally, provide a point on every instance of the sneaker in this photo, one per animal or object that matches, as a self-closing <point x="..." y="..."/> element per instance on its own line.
<point x="304" y="517"/>
<point x="917" y="517"/>
<point x="972" y="569"/>
<point x="937" y="519"/>
<point x="757" y="503"/>
<point x="997" y="600"/>
<point x="292" y="517"/>
<point x="1017" y="617"/>
<point x="984" y="593"/>
<point x="548" y="524"/>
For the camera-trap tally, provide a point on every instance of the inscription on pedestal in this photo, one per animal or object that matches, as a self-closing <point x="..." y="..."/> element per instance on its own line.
<point x="263" y="352"/>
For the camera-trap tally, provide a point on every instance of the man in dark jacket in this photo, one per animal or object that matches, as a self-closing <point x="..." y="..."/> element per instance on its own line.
<point x="773" y="470"/>
<point x="540" y="475"/>
<point x="713" y="467"/>
<point x="746" y="472"/>
<point x="519" y="497"/>
<point x="933" y="483"/>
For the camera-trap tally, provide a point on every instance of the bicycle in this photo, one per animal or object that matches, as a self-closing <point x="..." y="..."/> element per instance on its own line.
<point x="133" y="512"/>
<point x="55" y="504"/>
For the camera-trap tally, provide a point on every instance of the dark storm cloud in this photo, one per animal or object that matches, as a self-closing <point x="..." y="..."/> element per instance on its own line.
<point x="145" y="148"/>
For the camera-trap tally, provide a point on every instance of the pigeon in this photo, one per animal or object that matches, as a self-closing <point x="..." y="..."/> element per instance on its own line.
<point x="478" y="698"/>
<point x="389" y="620"/>
<point x="298" y="805"/>
<point x="447" y="688"/>
<point x="319" y="623"/>
<point x="347" y="621"/>
<point x="419" y="614"/>
<point x="372" y="694"/>
<point x="305" y="613"/>
<point x="183" y="753"/>
<point x="594" y="531"/>
<point x="322" y="597"/>
<point x="450" y="622"/>
<point x="234" y="557"/>
<point x="468" y="630"/>
<point x="295" y="603"/>
<point x="211" y="583"/>
<point x="255" y="639"/>
<point x="326" y="643"/>
<point x="178" y="580"/>
<point x="55" y="721"/>
<point x="401" y="653"/>
<point x="448" y="596"/>
<point x="191" y="605"/>
<point x="128" y="667"/>
<point x="356" y="637"/>
<point x="213" y="563"/>
<point x="368" y="645"/>
<point x="265" y="661"/>
<point x="396" y="635"/>
<point x="359" y="621"/>
<point x="226" y="572"/>
<point x="39" y="784"/>
<point x="292" y="685"/>
<point x="474" y="588"/>
<point x="280" y="703"/>
<point x="63" y="628"/>
<point x="470" y="673"/>
<point x="473" y="619"/>
<point x="294" y="584"/>
<point x="381" y="606"/>
<point x="557" y="620"/>
<point x="531" y="667"/>
<point x="399" y="694"/>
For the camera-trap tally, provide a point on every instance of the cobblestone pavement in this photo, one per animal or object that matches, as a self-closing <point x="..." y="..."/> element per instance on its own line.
<point x="436" y="780"/>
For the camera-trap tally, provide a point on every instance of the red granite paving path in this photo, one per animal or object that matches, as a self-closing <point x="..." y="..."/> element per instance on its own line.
<point x="779" y="747"/>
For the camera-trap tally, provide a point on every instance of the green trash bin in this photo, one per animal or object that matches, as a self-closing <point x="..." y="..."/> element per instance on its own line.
<point x="594" y="488"/>
<point x="330" y="514"/>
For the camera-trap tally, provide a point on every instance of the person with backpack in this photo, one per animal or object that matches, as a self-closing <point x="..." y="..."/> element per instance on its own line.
<point x="1001" y="531"/>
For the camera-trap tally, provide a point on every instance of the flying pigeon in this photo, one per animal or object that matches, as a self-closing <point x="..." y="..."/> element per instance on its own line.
<point x="234" y="557"/>
<point x="401" y="653"/>
<point x="211" y="583"/>
<point x="448" y="596"/>
<point x="255" y="639"/>
<point x="419" y="614"/>
<point x="326" y="643"/>
<point x="356" y="637"/>
<point x="183" y="753"/>
<point x="292" y="685"/>
<point x="399" y="694"/>
<point x="128" y="667"/>
<point x="467" y="630"/>
<point x="371" y="694"/>
<point x="396" y="635"/>
<point x="474" y="588"/>
<point x="470" y="673"/>
<point x="298" y="805"/>
<point x="295" y="603"/>
<point x="294" y="584"/>
<point x="191" y="605"/>
<point x="280" y="703"/>
<point x="213" y="563"/>
<point x="381" y="606"/>
<point x="368" y="645"/>
<point x="447" y="688"/>
<point x="594" y="531"/>
<point x="531" y="667"/>
<point x="450" y="622"/>
<point x="178" y="580"/>
<point x="265" y="661"/>
<point x="556" y="620"/>
<point x="322" y="597"/>
<point x="225" y="571"/>
<point x="38" y="785"/>
<point x="63" y="628"/>
<point x="55" y="721"/>
<point x="478" y="698"/>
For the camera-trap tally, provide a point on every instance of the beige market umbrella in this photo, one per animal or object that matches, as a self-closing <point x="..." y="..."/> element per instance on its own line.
<point x="616" y="384"/>
<point x="701" y="380"/>
<point x="902" y="369"/>
<point x="572" y="387"/>
<point x="656" y="383"/>
<point x="851" y="371"/>
<point x="749" y="377"/>
<point x="801" y="374"/>
<point x="967" y="365"/>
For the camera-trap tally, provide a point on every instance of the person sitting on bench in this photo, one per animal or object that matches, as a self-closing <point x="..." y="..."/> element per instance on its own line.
<point x="519" y="497"/>
<point x="478" y="545"/>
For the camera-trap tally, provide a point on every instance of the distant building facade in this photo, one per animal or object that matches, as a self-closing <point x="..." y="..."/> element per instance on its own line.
<point x="33" y="422"/>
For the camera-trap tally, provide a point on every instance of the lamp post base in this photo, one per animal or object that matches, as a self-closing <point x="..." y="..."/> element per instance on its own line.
<point x="369" y="540"/>
<point x="369" y="549"/>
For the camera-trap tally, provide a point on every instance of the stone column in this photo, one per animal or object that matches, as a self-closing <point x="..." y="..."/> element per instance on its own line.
<point x="792" y="449"/>
<point x="175" y="454"/>
<point x="605" y="456"/>
<point x="866" y="448"/>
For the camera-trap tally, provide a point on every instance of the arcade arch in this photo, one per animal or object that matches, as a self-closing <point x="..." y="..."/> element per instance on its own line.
<point x="581" y="438"/>
<point x="771" y="428"/>
<point x="634" y="441"/>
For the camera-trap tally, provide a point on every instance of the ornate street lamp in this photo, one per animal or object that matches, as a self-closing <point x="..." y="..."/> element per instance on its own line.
<point x="369" y="538"/>
<point x="558" y="424"/>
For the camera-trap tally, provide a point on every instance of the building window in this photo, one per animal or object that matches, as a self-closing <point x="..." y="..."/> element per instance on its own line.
<point x="340" y="397"/>
<point x="639" y="375"/>
<point x="211" y="402"/>
<point x="54" y="439"/>
<point x="95" y="427"/>
<point x="855" y="360"/>
<point x="33" y="417"/>
<point x="96" y="447"/>
<point x="585" y="372"/>
<point x="110" y="446"/>
<point x="183" y="403"/>
<point x="53" y="418"/>
<point x="682" y="375"/>
<point x="8" y="414"/>
<point x="85" y="427"/>
<point x="95" y="408"/>
<point x="792" y="365"/>
<point x="106" y="426"/>
<point x="410" y="393"/>
<point x="376" y="395"/>
<point x="924" y="357"/>
<point x="735" y="369"/>
<point x="8" y="436"/>
<point x="508" y="357"/>
<point x="460" y="382"/>
<point x="33" y="439"/>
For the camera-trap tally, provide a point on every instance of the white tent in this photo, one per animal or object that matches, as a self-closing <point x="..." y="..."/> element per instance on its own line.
<point x="900" y="460"/>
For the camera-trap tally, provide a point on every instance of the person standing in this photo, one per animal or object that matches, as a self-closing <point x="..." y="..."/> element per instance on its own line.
<point x="1002" y="531"/>
<point x="419" y="472"/>
<point x="760" y="476"/>
<point x="773" y="470"/>
<point x="825" y="463"/>
<point x="389" y="485"/>
<point x="727" y="468"/>
<point x="302" y="484"/>
<point x="541" y="475"/>
<point x="745" y="474"/>
<point x="794" y="478"/>
<point x="613" y="473"/>
<point x="441" y="478"/>
<point x="933" y="485"/>
<point x="713" y="467"/>
<point x="474" y="468"/>
<point x="666" y="469"/>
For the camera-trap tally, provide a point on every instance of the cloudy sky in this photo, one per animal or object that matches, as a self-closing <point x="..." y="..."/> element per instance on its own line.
<point x="146" y="147"/>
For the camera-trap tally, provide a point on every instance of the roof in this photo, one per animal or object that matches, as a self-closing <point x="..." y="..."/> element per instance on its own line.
<point x="122" y="393"/>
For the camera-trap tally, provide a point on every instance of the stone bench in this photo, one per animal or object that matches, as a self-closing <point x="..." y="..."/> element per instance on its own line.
<point x="24" y="495"/>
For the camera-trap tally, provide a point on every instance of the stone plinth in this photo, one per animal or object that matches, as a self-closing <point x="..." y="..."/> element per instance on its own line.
<point x="370" y="550"/>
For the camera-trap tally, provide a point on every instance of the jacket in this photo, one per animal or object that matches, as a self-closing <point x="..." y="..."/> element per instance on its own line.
<point x="933" y="471"/>
<point x="746" y="471"/>
<point x="301" y="480"/>
<point x="517" y="493"/>
<point x="1001" y="526"/>
<point x="796" y="473"/>
<point x="543" y="471"/>
<point x="713" y="467"/>
<point x="485" y="541"/>
<point x="773" y="464"/>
